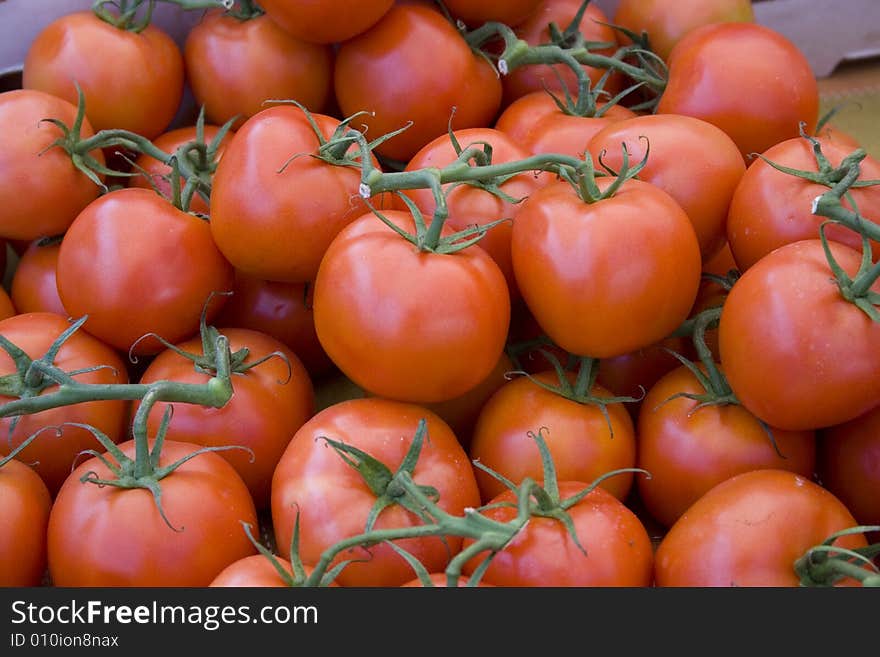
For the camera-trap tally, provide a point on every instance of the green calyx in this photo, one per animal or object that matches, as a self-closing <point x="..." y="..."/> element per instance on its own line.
<point x="826" y="564"/>
<point x="136" y="15"/>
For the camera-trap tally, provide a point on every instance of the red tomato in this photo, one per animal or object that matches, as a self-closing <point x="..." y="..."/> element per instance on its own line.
<point x="443" y="320"/>
<point x="535" y="122"/>
<point x="617" y="548"/>
<point x="796" y="353"/>
<point x="266" y="216"/>
<point x="689" y="450"/>
<point x="667" y="22"/>
<point x="51" y="455"/>
<point x="468" y="205"/>
<point x="326" y="21"/>
<point x="849" y="465"/>
<point x="135" y="264"/>
<point x="389" y="72"/>
<point x="583" y="443"/>
<point x="749" y="530"/>
<point x="107" y="536"/>
<point x="509" y="12"/>
<point x="270" y="402"/>
<point x="26" y="504"/>
<point x="535" y="31"/>
<point x="639" y="243"/>
<point x="282" y="310"/>
<point x="439" y="580"/>
<point x="41" y="191"/>
<point x="692" y="160"/>
<point x="235" y="65"/>
<point x="334" y="502"/>
<point x="34" y="286"/>
<point x="158" y="172"/>
<point x="745" y="78"/>
<point x="6" y="308"/>
<point x="131" y="80"/>
<point x="771" y="208"/>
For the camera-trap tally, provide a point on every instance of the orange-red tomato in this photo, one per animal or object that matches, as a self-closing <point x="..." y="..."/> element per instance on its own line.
<point x="41" y="191"/>
<point x="326" y="21"/>
<point x="440" y="580"/>
<point x="749" y="530"/>
<point x="26" y="504"/>
<point x="334" y="501"/>
<point x="689" y="450"/>
<point x="6" y="307"/>
<point x="583" y="443"/>
<point x="34" y="286"/>
<point x="715" y="73"/>
<point x="255" y="571"/>
<point x="234" y="65"/>
<point x="108" y="536"/>
<point x="131" y="80"/>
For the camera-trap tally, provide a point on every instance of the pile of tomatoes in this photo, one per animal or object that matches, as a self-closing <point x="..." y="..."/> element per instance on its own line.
<point x="503" y="293"/>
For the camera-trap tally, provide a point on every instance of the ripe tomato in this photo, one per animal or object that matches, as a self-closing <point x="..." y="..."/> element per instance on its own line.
<point x="389" y="72"/>
<point x="749" y="530"/>
<point x="849" y="465"/>
<point x="509" y="12"/>
<point x="617" y="548"/>
<point x="108" y="536"/>
<point x="692" y="160"/>
<point x="282" y="310"/>
<point x="667" y="22"/>
<point x="270" y="402"/>
<point x="158" y="172"/>
<point x="745" y="78"/>
<point x="266" y="216"/>
<point x="334" y="501"/>
<point x="639" y="243"/>
<point x="439" y="580"/>
<point x="536" y="123"/>
<point x="771" y="208"/>
<point x="26" y="504"/>
<point x="6" y="308"/>
<point x="583" y="443"/>
<point x="796" y="353"/>
<point x="234" y="65"/>
<point x="133" y="82"/>
<point x="689" y="450"/>
<point x="135" y="264"/>
<point x="52" y="455"/>
<point x="253" y="571"/>
<point x="41" y="191"/>
<point x="535" y="31"/>
<point x="406" y="324"/>
<point x="34" y="286"/>
<point x="325" y="21"/>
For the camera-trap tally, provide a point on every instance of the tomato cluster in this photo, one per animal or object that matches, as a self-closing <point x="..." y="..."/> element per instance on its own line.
<point x="600" y="314"/>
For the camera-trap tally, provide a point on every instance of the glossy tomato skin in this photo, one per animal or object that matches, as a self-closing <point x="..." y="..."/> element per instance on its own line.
<point x="34" y="283"/>
<point x="771" y="208"/>
<point x="749" y="530"/>
<point x="269" y="403"/>
<point x="692" y="160"/>
<point x="509" y="12"/>
<point x="583" y="444"/>
<point x="594" y="274"/>
<point x="282" y="310"/>
<point x="41" y="191"/>
<point x="849" y="465"/>
<point x="443" y="320"/>
<point x="26" y="504"/>
<point x="252" y="571"/>
<point x="326" y="21"/>
<point x="52" y="455"/>
<point x="157" y="171"/>
<point x="667" y="22"/>
<point x="389" y="71"/>
<point x="334" y="502"/>
<point x="234" y="66"/>
<point x="534" y="30"/>
<point x="266" y="216"/>
<point x="108" y="536"/>
<point x="145" y="103"/>
<point x="468" y="205"/>
<point x="796" y="353"/>
<point x="715" y="73"/>
<point x="689" y="450"/>
<point x="107" y="269"/>
<point x="618" y="549"/>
